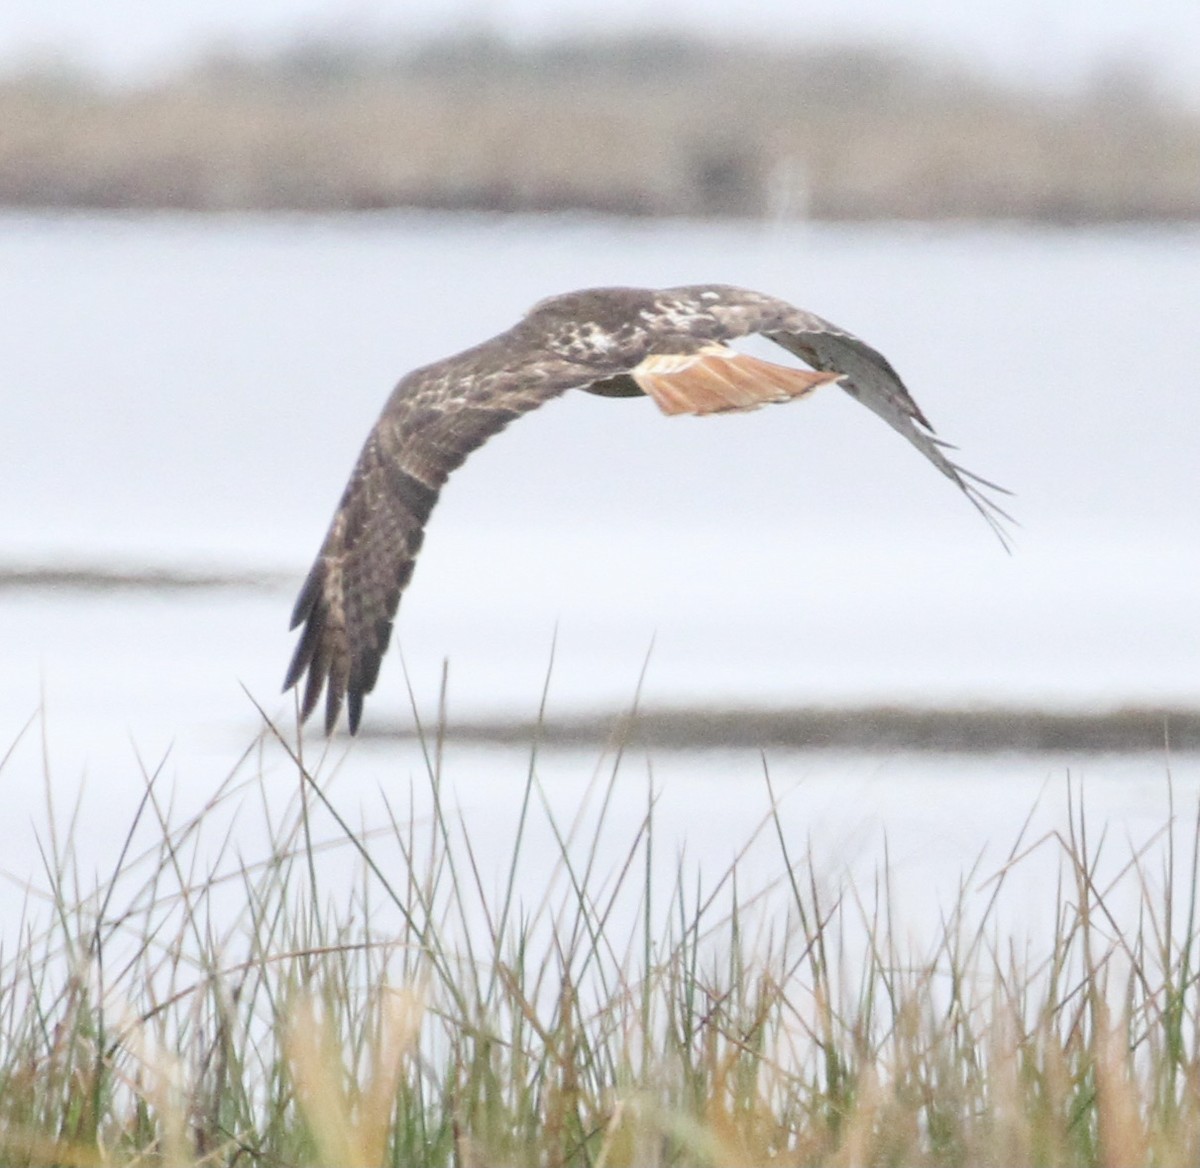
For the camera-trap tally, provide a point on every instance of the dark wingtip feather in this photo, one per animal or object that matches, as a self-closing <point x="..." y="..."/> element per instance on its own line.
<point x="312" y="690"/>
<point x="977" y="489"/>
<point x="333" y="707"/>
<point x="295" y="669"/>
<point x="995" y="515"/>
<point x="310" y="592"/>
<point x="316" y="653"/>
<point x="991" y="486"/>
<point x="305" y="650"/>
<point x="354" y="709"/>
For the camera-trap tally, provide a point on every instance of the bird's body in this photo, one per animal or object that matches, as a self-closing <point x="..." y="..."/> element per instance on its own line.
<point x="668" y="344"/>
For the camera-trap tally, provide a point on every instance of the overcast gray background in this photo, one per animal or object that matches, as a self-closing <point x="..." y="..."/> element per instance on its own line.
<point x="1045" y="42"/>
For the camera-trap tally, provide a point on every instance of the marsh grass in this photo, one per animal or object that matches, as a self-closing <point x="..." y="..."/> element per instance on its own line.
<point x="193" y="1005"/>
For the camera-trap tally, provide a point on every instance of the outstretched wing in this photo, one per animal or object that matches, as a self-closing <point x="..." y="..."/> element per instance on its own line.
<point x="868" y="377"/>
<point x="433" y="420"/>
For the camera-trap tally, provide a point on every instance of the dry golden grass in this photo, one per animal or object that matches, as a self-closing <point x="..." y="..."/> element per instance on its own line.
<point x="194" y="1007"/>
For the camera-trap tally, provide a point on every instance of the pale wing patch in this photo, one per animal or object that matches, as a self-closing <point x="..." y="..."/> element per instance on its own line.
<point x="716" y="379"/>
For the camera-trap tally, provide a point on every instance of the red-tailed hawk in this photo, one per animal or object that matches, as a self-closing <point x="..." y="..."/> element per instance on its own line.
<point x="669" y="344"/>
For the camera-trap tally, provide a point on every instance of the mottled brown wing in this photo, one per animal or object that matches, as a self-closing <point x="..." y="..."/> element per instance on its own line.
<point x="432" y="421"/>
<point x="868" y="377"/>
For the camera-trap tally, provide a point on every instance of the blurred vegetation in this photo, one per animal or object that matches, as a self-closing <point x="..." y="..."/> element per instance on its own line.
<point x="647" y="126"/>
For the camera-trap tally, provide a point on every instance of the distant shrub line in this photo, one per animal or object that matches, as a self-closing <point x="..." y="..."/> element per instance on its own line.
<point x="645" y="127"/>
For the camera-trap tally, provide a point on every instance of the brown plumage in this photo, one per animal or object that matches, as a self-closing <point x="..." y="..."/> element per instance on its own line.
<point x="617" y="342"/>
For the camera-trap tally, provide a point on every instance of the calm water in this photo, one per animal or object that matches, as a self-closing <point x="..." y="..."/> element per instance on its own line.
<point x="192" y="392"/>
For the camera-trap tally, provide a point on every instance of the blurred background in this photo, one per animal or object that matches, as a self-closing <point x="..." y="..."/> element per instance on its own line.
<point x="1062" y="111"/>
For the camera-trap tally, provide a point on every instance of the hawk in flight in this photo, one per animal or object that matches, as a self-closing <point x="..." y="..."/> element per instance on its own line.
<point x="669" y="344"/>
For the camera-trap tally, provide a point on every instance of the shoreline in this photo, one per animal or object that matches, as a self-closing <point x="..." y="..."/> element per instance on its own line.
<point x="975" y="730"/>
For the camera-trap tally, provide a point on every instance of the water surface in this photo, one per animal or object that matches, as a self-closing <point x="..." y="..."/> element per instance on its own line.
<point x="190" y="393"/>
